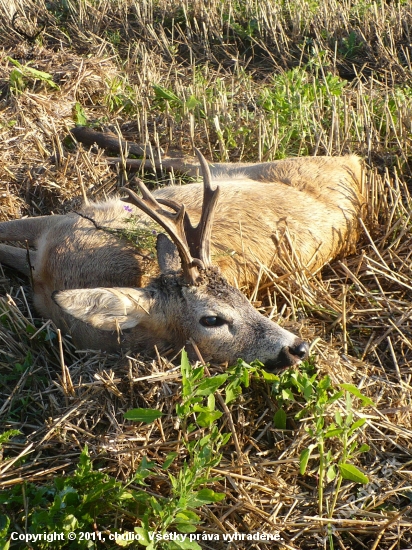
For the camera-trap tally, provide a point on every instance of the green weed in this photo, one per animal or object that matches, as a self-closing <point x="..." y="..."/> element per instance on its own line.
<point x="78" y="115"/>
<point x="6" y="436"/>
<point x="142" y="236"/>
<point x="289" y="103"/>
<point x="22" y="75"/>
<point x="88" y="499"/>
<point x="166" y="99"/>
<point x="120" y="96"/>
<point x="320" y="401"/>
<point x="351" y="46"/>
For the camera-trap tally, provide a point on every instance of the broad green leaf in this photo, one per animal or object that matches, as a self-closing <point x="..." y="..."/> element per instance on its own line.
<point x="143" y="415"/>
<point x="210" y="495"/>
<point x="197" y="373"/>
<point x="269" y="376"/>
<point x="205" y="496"/>
<point x="4" y="526"/>
<point x="187" y="544"/>
<point x="79" y="116"/>
<point x="338" y="418"/>
<point x="356" y="425"/>
<point x="210" y="385"/>
<point x="201" y="408"/>
<point x="40" y="75"/>
<point x="325" y="383"/>
<point x="232" y="393"/>
<point x="333" y="432"/>
<point x="125" y="495"/>
<point x="280" y="419"/>
<point x="304" y="458"/>
<point x="211" y="402"/>
<point x="245" y="377"/>
<point x="287" y="394"/>
<point x="363" y="449"/>
<point x="169" y="459"/>
<point x="192" y="103"/>
<point x="205" y="440"/>
<point x="331" y="473"/>
<point x="187" y="515"/>
<point x="349" y="418"/>
<point x="308" y="392"/>
<point x="29" y="72"/>
<point x="185" y="527"/>
<point x="319" y="423"/>
<point x="349" y="471"/>
<point x="163" y="93"/>
<point x="206" y="419"/>
<point x="357" y="393"/>
<point x="69" y="523"/>
<point x="144" y="539"/>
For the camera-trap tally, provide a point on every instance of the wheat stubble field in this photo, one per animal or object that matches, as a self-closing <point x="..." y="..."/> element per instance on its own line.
<point x="321" y="454"/>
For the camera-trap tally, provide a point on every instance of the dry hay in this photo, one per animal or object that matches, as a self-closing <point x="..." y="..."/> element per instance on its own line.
<point x="357" y="314"/>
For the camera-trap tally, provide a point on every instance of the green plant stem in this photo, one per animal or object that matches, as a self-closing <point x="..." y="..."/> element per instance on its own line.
<point x="321" y="448"/>
<point x="340" y="478"/>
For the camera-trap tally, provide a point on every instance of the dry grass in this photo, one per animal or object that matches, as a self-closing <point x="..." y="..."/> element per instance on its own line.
<point x="107" y="56"/>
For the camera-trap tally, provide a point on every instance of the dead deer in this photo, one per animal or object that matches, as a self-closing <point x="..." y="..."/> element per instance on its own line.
<point x="86" y="278"/>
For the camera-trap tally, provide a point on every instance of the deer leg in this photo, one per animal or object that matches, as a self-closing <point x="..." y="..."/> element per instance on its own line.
<point x="185" y="165"/>
<point x="190" y="167"/>
<point x="256" y="171"/>
<point x="26" y="229"/>
<point x="16" y="258"/>
<point x="180" y="165"/>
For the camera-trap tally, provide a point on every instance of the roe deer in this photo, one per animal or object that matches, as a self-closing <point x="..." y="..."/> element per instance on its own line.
<point x="85" y="277"/>
<point x="307" y="206"/>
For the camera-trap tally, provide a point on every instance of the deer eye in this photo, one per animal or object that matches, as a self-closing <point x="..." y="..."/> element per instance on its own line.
<point x="212" y="321"/>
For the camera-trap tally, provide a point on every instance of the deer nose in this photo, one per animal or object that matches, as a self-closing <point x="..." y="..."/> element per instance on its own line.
<point x="300" y="350"/>
<point x="289" y="356"/>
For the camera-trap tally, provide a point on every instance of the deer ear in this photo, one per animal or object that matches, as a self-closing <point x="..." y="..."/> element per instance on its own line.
<point x="167" y="254"/>
<point x="106" y="308"/>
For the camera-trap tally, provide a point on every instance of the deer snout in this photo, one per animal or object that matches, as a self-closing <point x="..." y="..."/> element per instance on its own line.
<point x="289" y="355"/>
<point x="299" y="351"/>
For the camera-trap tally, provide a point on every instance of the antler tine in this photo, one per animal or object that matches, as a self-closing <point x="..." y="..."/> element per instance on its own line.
<point x="193" y="243"/>
<point x="199" y="237"/>
<point x="172" y="223"/>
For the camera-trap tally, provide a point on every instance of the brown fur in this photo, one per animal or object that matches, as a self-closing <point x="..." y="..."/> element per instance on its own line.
<point x="316" y="201"/>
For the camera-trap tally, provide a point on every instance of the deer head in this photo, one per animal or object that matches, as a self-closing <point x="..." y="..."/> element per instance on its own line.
<point x="189" y="299"/>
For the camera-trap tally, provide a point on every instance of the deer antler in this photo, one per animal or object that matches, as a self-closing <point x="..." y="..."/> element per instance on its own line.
<point x="193" y="243"/>
<point x="199" y="237"/>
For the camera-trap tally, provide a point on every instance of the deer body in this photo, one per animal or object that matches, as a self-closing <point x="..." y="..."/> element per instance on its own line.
<point x="105" y="298"/>
<point x="313" y="203"/>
